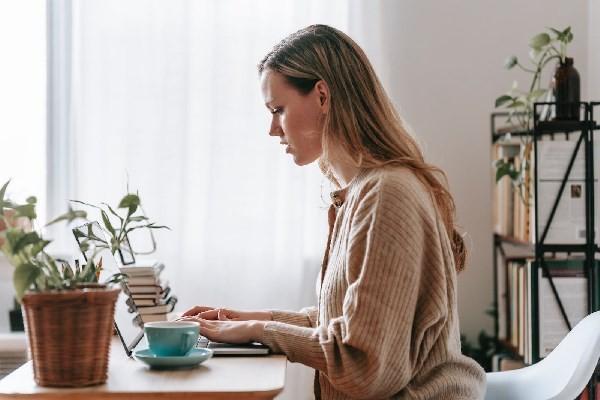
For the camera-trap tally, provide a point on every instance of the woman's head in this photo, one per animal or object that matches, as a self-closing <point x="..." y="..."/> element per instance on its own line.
<point x="341" y="113"/>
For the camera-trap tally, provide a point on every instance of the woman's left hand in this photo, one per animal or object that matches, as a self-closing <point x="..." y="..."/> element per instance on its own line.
<point x="229" y="331"/>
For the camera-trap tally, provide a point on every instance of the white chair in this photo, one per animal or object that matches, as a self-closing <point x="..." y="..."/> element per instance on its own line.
<point x="562" y="375"/>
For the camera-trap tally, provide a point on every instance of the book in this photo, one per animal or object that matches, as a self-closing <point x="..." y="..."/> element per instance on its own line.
<point x="156" y="297"/>
<point x="142" y="280"/>
<point x="155" y="290"/>
<point x="143" y="269"/>
<point x="571" y="284"/>
<point x="166" y="307"/>
<point x="152" y="317"/>
<point x="569" y="222"/>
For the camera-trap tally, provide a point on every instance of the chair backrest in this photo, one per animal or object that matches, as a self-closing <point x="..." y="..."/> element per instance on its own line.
<point x="563" y="374"/>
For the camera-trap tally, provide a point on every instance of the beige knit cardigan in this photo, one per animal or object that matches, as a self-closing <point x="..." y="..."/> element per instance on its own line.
<point x="386" y="325"/>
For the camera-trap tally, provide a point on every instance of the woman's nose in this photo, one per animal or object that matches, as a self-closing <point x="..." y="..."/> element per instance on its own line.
<point x="275" y="129"/>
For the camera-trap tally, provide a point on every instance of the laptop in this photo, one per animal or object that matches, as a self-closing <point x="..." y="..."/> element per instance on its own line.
<point x="129" y="326"/>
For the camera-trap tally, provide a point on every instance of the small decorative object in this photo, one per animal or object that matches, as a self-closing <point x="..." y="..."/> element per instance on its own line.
<point x="565" y="85"/>
<point x="68" y="313"/>
<point x="544" y="48"/>
<point x="117" y="231"/>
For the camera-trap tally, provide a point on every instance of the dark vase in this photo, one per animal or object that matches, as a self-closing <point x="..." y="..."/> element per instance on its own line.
<point x="565" y="83"/>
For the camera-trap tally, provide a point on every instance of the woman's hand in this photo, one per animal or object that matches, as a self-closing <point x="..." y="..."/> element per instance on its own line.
<point x="229" y="331"/>
<point x="225" y="314"/>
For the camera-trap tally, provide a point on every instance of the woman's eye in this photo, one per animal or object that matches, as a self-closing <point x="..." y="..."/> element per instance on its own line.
<point x="276" y="110"/>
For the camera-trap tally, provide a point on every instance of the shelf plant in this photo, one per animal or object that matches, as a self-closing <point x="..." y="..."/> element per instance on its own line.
<point x="544" y="48"/>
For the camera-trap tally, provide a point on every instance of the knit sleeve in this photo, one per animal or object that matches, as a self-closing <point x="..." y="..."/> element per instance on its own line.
<point x="372" y="350"/>
<point x="305" y="317"/>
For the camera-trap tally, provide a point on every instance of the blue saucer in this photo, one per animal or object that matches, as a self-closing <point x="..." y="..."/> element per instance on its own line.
<point x="193" y="358"/>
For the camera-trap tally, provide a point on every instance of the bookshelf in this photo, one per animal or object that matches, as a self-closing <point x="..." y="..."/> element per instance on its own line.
<point x="535" y="261"/>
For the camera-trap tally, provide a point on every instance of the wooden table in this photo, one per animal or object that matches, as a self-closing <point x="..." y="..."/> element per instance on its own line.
<point x="260" y="377"/>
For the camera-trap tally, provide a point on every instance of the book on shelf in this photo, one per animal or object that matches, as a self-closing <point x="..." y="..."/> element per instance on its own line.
<point x="509" y="128"/>
<point x="506" y="362"/>
<point x="512" y="203"/>
<point x="524" y="298"/>
<point x="568" y="224"/>
<point x="571" y="284"/>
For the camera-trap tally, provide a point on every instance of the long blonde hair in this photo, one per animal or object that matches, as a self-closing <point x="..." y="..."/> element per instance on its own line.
<point x="362" y="121"/>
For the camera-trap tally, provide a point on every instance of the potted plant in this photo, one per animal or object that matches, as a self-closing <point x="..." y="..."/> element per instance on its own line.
<point x="117" y="226"/>
<point x="544" y="48"/>
<point x="68" y="314"/>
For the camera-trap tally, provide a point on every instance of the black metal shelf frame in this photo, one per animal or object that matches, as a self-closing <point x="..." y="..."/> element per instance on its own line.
<point x="585" y="127"/>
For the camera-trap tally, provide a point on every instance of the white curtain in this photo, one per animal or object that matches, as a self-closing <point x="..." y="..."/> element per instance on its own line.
<point x="165" y="95"/>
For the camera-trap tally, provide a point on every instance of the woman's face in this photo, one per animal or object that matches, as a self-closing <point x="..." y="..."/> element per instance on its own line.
<point x="296" y="118"/>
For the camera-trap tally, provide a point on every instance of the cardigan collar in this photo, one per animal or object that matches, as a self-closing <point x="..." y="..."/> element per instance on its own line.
<point x="338" y="197"/>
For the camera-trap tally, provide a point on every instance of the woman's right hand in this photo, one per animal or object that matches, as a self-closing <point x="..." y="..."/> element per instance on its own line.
<point x="226" y="314"/>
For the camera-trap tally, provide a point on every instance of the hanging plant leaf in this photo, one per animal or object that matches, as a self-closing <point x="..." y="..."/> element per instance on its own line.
<point x="540" y="40"/>
<point x="500" y="101"/>
<point x="510" y="62"/>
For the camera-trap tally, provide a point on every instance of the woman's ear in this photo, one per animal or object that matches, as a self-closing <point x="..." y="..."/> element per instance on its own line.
<point x="322" y="91"/>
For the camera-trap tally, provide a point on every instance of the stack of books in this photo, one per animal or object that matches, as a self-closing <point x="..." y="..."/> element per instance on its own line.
<point x="149" y="297"/>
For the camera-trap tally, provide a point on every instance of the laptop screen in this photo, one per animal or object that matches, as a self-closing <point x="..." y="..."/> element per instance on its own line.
<point x="127" y="323"/>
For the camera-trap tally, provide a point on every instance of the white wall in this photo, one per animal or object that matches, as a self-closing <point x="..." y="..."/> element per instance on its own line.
<point x="443" y="65"/>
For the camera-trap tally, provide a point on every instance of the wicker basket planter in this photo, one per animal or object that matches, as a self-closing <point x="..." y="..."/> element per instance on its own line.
<point x="69" y="335"/>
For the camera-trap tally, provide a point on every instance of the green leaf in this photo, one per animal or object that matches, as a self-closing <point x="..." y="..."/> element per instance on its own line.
<point x="116" y="278"/>
<point x="2" y="192"/>
<point x="129" y="201"/>
<point x="69" y="216"/>
<point x="154" y="226"/>
<point x="26" y="210"/>
<point x="568" y="37"/>
<point x="556" y="32"/>
<point x="88" y="274"/>
<point x="67" y="271"/>
<point x="517" y="104"/>
<point x="23" y="277"/>
<point x="113" y="212"/>
<point x="31" y="200"/>
<point x="114" y="245"/>
<point x="84" y="203"/>
<point x="38" y="247"/>
<point x="107" y="223"/>
<point x="537" y="93"/>
<point x="540" y="40"/>
<point x="504" y="168"/>
<point x="534" y="54"/>
<point x="500" y="101"/>
<point x="138" y="218"/>
<point x="511" y="62"/>
<point x="26" y="240"/>
<point x="84" y="246"/>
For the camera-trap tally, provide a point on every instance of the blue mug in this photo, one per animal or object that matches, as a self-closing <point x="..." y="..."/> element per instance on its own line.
<point x="171" y="338"/>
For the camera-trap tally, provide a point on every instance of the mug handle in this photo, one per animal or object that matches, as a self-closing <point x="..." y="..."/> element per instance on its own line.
<point x="189" y="340"/>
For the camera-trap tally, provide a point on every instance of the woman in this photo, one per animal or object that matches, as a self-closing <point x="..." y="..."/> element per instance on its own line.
<point x="386" y="324"/>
